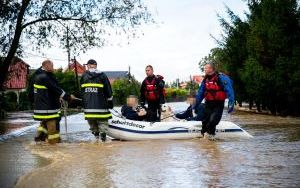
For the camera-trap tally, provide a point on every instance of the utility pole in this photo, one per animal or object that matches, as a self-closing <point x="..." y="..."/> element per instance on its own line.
<point x="129" y="69"/>
<point x="68" y="49"/>
<point x="76" y="73"/>
<point x="129" y="73"/>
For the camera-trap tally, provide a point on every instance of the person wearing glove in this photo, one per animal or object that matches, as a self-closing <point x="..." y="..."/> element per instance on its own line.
<point x="45" y="95"/>
<point x="97" y="99"/>
<point x="215" y="88"/>
<point x="153" y="93"/>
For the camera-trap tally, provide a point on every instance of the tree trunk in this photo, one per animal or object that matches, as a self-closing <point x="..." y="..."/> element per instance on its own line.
<point x="14" y="45"/>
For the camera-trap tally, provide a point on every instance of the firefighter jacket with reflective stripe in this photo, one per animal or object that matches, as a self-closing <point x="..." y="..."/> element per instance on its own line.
<point x="45" y="94"/>
<point x="96" y="91"/>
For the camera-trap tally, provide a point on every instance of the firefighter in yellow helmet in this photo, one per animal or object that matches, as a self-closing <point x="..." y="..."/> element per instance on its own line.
<point x="45" y="94"/>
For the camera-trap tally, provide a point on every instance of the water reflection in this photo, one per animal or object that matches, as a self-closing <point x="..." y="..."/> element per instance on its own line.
<point x="270" y="159"/>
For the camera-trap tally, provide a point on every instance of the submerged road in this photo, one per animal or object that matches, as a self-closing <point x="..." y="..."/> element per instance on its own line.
<point x="271" y="158"/>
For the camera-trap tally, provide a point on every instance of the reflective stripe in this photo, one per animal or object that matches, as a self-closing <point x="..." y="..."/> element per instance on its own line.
<point x="96" y="110"/>
<point x="42" y="129"/>
<point x="46" y="116"/>
<point x="92" y="85"/>
<point x="63" y="94"/>
<point x="111" y="98"/>
<point x="39" y="86"/>
<point x="46" y="111"/>
<point x="97" y="115"/>
<point x="53" y="136"/>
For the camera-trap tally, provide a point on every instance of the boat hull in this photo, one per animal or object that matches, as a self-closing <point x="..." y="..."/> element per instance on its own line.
<point x="124" y="129"/>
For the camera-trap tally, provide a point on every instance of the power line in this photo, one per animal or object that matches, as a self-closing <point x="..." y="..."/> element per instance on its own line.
<point x="40" y="56"/>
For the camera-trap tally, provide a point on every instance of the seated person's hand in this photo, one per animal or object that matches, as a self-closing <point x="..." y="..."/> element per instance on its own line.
<point x="72" y="97"/>
<point x="142" y="112"/>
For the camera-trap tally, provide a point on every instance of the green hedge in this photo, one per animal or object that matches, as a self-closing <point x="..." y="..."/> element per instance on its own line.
<point x="123" y="88"/>
<point x="175" y="95"/>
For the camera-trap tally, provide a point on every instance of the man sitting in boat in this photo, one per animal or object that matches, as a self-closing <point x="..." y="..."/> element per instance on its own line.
<point x="132" y="111"/>
<point x="193" y="112"/>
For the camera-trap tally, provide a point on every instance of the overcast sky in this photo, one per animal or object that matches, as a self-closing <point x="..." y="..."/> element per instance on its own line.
<point x="173" y="46"/>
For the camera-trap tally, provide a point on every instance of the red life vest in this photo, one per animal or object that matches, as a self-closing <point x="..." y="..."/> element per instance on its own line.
<point x="151" y="91"/>
<point x="213" y="90"/>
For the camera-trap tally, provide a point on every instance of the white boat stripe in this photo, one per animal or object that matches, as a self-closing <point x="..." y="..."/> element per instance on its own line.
<point x="95" y="110"/>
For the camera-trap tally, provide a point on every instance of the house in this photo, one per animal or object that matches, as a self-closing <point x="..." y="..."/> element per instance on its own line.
<point x="183" y="85"/>
<point x="17" y="76"/>
<point x="115" y="75"/>
<point x="198" y="78"/>
<point x="76" y="66"/>
<point x="112" y="75"/>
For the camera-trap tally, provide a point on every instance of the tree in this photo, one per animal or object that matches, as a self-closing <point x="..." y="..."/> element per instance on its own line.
<point x="40" y="23"/>
<point x="214" y="56"/>
<point x="261" y="54"/>
<point x="67" y="81"/>
<point x="273" y="42"/>
<point x="232" y="51"/>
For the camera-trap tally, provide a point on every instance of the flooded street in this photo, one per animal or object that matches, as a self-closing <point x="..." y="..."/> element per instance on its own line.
<point x="270" y="159"/>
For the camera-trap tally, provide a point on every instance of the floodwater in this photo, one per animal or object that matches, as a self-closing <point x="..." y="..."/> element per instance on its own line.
<point x="270" y="159"/>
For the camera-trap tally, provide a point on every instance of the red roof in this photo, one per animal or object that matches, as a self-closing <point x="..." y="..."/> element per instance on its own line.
<point x="183" y="85"/>
<point x="197" y="78"/>
<point x="80" y="68"/>
<point x="17" y="75"/>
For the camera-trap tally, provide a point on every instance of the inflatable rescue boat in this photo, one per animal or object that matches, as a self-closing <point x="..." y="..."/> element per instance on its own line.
<point x="125" y="129"/>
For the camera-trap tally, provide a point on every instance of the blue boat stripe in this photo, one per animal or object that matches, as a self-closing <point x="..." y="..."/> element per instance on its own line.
<point x="166" y="131"/>
<point x="173" y="128"/>
<point x="148" y="132"/>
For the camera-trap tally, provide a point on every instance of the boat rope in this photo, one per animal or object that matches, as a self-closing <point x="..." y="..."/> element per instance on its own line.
<point x="64" y="106"/>
<point x="118" y="114"/>
<point x="172" y="115"/>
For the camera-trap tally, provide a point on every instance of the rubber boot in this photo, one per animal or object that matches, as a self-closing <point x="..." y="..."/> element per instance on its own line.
<point x="103" y="136"/>
<point x="53" y="133"/>
<point x="94" y="127"/>
<point x="42" y="133"/>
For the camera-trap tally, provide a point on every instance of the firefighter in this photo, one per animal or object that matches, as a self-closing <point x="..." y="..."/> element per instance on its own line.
<point x="153" y="92"/>
<point x="97" y="99"/>
<point x="215" y="88"/>
<point x="45" y="94"/>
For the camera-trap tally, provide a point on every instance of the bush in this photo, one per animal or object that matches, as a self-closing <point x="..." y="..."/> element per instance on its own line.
<point x="123" y="88"/>
<point x="67" y="81"/>
<point x="175" y="95"/>
<point x="24" y="103"/>
<point x="10" y="101"/>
